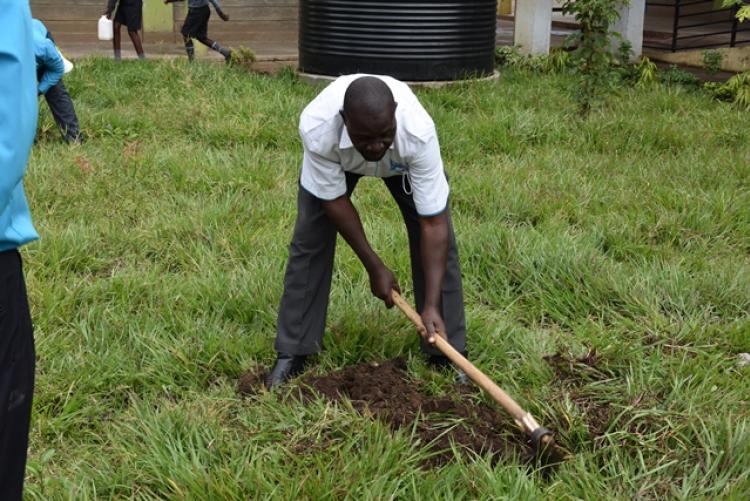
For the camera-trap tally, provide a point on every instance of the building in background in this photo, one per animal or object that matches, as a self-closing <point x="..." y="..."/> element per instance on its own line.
<point x="670" y="25"/>
<point x="270" y="27"/>
<point x="264" y="25"/>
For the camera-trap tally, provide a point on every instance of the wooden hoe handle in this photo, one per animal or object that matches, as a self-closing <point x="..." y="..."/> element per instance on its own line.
<point x="522" y="418"/>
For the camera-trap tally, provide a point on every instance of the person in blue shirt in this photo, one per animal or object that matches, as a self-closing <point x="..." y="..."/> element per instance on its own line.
<point x="18" y="117"/>
<point x="49" y="72"/>
<point x="49" y="62"/>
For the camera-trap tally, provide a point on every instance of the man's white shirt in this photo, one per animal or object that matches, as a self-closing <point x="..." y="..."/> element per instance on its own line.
<point x="329" y="152"/>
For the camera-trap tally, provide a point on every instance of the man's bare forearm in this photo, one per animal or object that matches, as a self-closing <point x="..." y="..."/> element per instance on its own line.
<point x="434" y="251"/>
<point x="345" y="218"/>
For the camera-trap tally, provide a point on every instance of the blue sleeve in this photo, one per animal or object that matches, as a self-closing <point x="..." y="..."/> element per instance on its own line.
<point x="53" y="65"/>
<point x="18" y="100"/>
<point x="216" y="4"/>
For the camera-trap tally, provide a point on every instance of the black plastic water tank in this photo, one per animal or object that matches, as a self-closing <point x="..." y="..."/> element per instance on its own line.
<point x="411" y="40"/>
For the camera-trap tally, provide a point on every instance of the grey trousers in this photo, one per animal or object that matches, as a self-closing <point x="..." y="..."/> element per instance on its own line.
<point x="307" y="282"/>
<point x="61" y="106"/>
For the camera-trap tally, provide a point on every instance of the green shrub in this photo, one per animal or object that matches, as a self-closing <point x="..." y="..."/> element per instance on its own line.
<point x="243" y="57"/>
<point x="719" y="91"/>
<point x="712" y="61"/>
<point x="743" y="11"/>
<point x="677" y="76"/>
<point x="592" y="57"/>
<point x="646" y="71"/>
<point x="740" y="86"/>
<point x="557" y="61"/>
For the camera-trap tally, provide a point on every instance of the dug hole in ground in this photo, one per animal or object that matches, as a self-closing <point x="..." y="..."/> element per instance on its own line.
<point x="385" y="391"/>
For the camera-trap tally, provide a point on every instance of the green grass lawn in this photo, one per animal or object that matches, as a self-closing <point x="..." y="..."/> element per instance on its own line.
<point x="159" y="270"/>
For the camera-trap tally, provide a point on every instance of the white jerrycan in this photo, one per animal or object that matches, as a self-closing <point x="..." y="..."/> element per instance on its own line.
<point x="105" y="28"/>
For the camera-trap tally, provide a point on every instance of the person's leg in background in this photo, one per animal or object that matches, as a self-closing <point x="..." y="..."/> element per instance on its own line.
<point x="135" y="23"/>
<point x="189" y="48"/>
<point x="131" y="16"/>
<point x="200" y="27"/>
<point x="214" y="45"/>
<point x="17" y="360"/>
<point x="61" y="106"/>
<point x="136" y="39"/>
<point x="116" y="45"/>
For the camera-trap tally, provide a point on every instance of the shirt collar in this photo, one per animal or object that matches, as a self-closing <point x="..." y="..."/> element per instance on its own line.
<point x="345" y="141"/>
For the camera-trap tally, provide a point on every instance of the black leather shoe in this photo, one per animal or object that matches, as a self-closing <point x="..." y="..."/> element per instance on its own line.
<point x="285" y="368"/>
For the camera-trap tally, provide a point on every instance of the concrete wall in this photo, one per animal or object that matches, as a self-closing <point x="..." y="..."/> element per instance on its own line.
<point x="74" y="20"/>
<point x="736" y="59"/>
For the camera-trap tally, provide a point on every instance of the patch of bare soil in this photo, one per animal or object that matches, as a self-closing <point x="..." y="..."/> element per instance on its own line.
<point x="383" y="391"/>
<point x="251" y="381"/>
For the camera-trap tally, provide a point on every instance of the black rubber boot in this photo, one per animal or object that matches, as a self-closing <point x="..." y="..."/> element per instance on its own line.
<point x="285" y="368"/>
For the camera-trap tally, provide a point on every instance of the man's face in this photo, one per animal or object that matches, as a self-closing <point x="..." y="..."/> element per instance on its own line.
<point x="372" y="135"/>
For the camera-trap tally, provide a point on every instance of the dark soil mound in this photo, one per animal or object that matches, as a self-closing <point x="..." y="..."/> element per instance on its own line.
<point x="251" y="382"/>
<point x="383" y="391"/>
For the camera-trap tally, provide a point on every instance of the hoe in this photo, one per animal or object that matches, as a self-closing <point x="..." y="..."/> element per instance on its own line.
<point x="540" y="438"/>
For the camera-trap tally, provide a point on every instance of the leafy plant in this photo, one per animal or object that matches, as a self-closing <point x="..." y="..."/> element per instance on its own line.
<point x="740" y="86"/>
<point x="743" y="11"/>
<point x="646" y="72"/>
<point x="712" y="61"/>
<point x="719" y="91"/>
<point x="677" y="76"/>
<point x="624" y="53"/>
<point x="592" y="57"/>
<point x="557" y="61"/>
<point x="243" y="57"/>
<point x="507" y="55"/>
<point x="621" y="66"/>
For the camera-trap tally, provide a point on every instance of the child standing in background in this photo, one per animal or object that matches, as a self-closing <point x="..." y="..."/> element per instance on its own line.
<point x="49" y="72"/>
<point x="129" y="13"/>
<point x="196" y="26"/>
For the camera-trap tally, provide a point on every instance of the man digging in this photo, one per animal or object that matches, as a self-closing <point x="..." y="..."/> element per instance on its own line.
<point x="358" y="126"/>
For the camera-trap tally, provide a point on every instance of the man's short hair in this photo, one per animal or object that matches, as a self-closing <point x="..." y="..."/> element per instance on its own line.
<point x="367" y="96"/>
